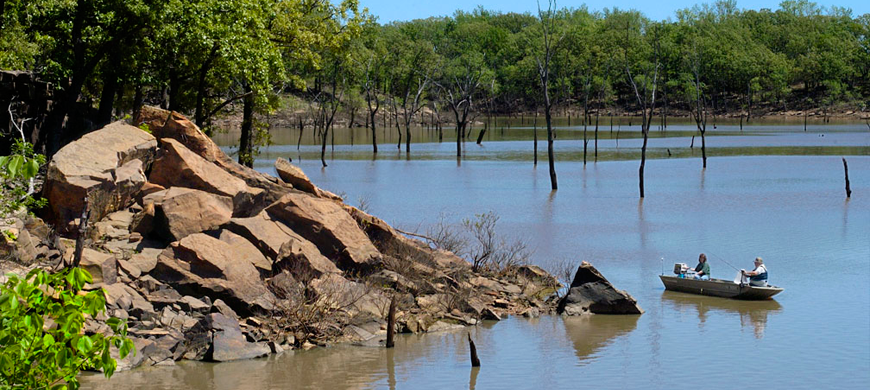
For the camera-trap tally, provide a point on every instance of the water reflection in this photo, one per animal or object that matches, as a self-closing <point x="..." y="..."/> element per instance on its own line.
<point x="591" y="333"/>
<point x="472" y="380"/>
<point x="751" y="313"/>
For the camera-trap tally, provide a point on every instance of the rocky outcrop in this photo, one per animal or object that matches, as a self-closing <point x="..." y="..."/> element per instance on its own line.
<point x="170" y="124"/>
<point x="329" y="226"/>
<point x="178" y="166"/>
<point x="210" y="260"/>
<point x="201" y="264"/>
<point x="180" y="212"/>
<point x="101" y="166"/>
<point x="591" y="293"/>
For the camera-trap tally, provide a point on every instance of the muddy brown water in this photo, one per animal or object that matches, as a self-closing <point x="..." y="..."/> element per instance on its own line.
<point x="776" y="193"/>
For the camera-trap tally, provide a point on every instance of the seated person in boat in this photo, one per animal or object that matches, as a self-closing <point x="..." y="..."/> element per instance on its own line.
<point x="702" y="271"/>
<point x="758" y="276"/>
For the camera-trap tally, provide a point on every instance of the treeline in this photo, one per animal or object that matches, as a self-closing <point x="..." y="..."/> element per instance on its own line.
<point x="210" y="57"/>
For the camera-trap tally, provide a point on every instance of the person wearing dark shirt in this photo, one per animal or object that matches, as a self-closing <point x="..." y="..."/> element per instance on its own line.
<point x="702" y="271"/>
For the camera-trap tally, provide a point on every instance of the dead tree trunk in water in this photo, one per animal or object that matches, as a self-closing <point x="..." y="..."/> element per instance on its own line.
<point x="547" y="19"/>
<point x="647" y="101"/>
<point x="475" y="362"/>
<point x="846" y="171"/>
<point x="481" y="134"/>
<point x="391" y="323"/>
<point x="536" y="136"/>
<point x="699" y="114"/>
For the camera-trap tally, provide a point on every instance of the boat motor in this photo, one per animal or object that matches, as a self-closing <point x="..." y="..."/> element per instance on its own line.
<point x="681" y="269"/>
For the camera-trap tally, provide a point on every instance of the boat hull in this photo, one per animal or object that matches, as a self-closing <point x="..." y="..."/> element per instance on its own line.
<point x="719" y="288"/>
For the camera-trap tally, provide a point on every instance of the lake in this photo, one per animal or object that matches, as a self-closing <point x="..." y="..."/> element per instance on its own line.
<point x="771" y="190"/>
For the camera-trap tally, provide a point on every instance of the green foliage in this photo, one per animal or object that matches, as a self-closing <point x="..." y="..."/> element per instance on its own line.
<point x="42" y="344"/>
<point x="17" y="171"/>
<point x="10" y="235"/>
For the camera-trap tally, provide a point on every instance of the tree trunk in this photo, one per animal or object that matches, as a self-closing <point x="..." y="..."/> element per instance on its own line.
<point x="536" y="136"/>
<point x="408" y="138"/>
<point x="704" y="148"/>
<point x="107" y="96"/>
<point x="475" y="362"/>
<point x="643" y="158"/>
<point x="138" y="100"/>
<point x="550" y="153"/>
<point x="391" y="323"/>
<point x="597" y="118"/>
<point x="324" y="134"/>
<point x="459" y="139"/>
<point x="246" y="147"/>
<point x="374" y="133"/>
<point x="846" y="171"/>
<point x="301" y="131"/>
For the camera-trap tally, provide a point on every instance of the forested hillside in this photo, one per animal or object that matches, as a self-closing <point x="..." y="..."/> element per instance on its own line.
<point x="207" y="58"/>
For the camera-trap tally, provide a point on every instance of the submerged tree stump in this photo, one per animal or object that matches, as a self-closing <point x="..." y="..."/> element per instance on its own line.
<point x="391" y="324"/>
<point x="475" y="362"/>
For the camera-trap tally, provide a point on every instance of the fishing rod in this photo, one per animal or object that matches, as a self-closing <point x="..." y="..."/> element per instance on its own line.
<point x="724" y="261"/>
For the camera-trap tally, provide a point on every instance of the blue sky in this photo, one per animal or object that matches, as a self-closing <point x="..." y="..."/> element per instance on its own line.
<point x="392" y="10"/>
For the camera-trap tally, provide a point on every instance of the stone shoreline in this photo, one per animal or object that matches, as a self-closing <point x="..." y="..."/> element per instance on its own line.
<point x="209" y="260"/>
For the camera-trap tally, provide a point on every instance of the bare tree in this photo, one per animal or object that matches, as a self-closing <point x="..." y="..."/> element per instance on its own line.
<point x="645" y="94"/>
<point x="548" y="23"/>
<point x="372" y="71"/>
<point x="699" y="112"/>
<point x="459" y="91"/>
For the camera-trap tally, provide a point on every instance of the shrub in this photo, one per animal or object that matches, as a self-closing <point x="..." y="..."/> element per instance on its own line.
<point x="42" y="343"/>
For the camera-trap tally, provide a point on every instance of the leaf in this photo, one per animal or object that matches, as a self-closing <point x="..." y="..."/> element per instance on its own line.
<point x="14" y="166"/>
<point x="48" y="340"/>
<point x="31" y="168"/>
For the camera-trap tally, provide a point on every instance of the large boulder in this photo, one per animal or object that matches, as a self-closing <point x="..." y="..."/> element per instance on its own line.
<point x="124" y="297"/>
<point x="591" y="293"/>
<point x="294" y="176"/>
<point x="288" y="250"/>
<point x="267" y="234"/>
<point x="101" y="166"/>
<point x="326" y="224"/>
<point x="333" y="290"/>
<point x="303" y="260"/>
<point x="228" y="343"/>
<point x="247" y="251"/>
<point x="103" y="267"/>
<point x="391" y="242"/>
<point x="170" y="124"/>
<point x="178" y="166"/>
<point x="180" y="212"/>
<point x="203" y="265"/>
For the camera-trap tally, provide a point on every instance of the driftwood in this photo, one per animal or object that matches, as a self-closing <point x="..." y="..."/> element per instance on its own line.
<point x="391" y="324"/>
<point x="475" y="362"/>
<point x="83" y="232"/>
<point x="846" y="171"/>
